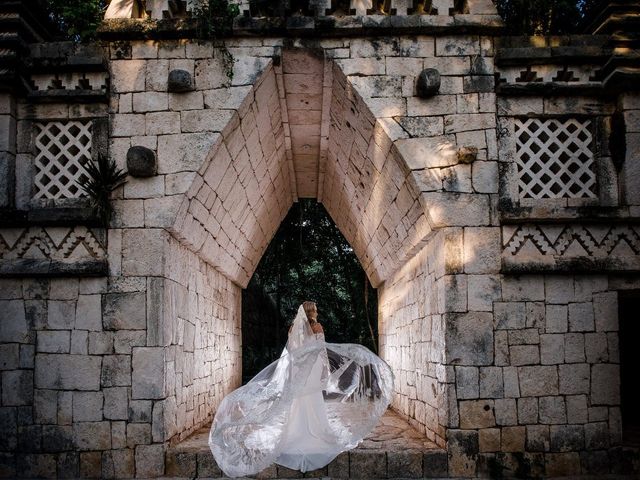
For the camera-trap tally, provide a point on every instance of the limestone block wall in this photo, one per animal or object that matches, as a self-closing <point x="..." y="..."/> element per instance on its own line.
<point x="201" y="334"/>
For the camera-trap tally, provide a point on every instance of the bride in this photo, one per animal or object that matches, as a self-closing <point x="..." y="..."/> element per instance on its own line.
<point x="316" y="401"/>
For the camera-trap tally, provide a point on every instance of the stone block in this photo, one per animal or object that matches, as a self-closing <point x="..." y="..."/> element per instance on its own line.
<point x="9" y="356"/>
<point x="551" y="349"/>
<point x="53" y="341"/>
<point x="459" y="209"/>
<point x="127" y="125"/>
<point x="181" y="464"/>
<point x="150" y="102"/>
<point x="125" y="340"/>
<point x="491" y="382"/>
<point x="605" y="309"/>
<point x="428" y="152"/>
<point x="56" y="438"/>
<point x="467" y="382"/>
<point x="482" y="247"/>
<point x="127" y="75"/>
<point x="577" y="410"/>
<point x="552" y="410"/>
<point x="68" y="465"/>
<point x="477" y="414"/>
<point x="36" y="465"/>
<point x="89" y="312"/>
<point x="595" y="346"/>
<point x="559" y="289"/>
<point x="149" y="460"/>
<point x="596" y="435"/>
<point x="207" y="466"/>
<point x="562" y="464"/>
<point x="184" y="152"/>
<point x="17" y="387"/>
<point x="422" y="126"/>
<point x="434" y="463"/>
<point x="574" y="378"/>
<point x="457" y="46"/>
<point x="148" y="372"/>
<point x="90" y="464"/>
<point x="605" y="384"/>
<point x="523" y="287"/>
<point x="462" y="452"/>
<point x="527" y="410"/>
<point x="595" y="462"/>
<point x="501" y="347"/>
<point x="581" y="317"/>
<point x="524" y="355"/>
<point x="505" y="411"/>
<point x="67" y="372"/>
<point x="13" y="322"/>
<point x="538" y="380"/>
<point x="556" y="318"/>
<point x="61" y="314"/>
<point x="116" y="403"/>
<point x="538" y="438"/>
<point x="367" y="464"/>
<point x="116" y="371"/>
<point x="483" y="290"/>
<point x="463" y="122"/>
<point x="574" y="348"/>
<point x="566" y="438"/>
<point x="87" y="406"/>
<point x="339" y="467"/>
<point x="138" y="434"/>
<point x="186" y="101"/>
<point x="118" y="463"/>
<point x="509" y="315"/>
<point x="406" y="464"/>
<point x="456" y="178"/>
<point x="470" y="338"/>
<point x="140" y="410"/>
<point x="513" y="439"/>
<point x="485" y="177"/>
<point x="100" y="343"/>
<point x="124" y="311"/>
<point x="92" y="435"/>
<point x="489" y="439"/>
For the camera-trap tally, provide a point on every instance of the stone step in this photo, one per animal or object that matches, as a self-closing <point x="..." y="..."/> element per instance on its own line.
<point x="393" y="450"/>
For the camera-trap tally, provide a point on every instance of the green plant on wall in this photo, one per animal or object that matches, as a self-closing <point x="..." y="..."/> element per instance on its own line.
<point x="214" y="21"/>
<point x="103" y="178"/>
<point x="76" y="20"/>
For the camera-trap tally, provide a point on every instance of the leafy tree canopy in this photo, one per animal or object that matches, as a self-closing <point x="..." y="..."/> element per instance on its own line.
<point x="545" y="17"/>
<point x="76" y="19"/>
<point x="308" y="259"/>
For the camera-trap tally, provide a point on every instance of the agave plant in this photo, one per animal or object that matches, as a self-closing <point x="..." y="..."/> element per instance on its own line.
<point x="103" y="178"/>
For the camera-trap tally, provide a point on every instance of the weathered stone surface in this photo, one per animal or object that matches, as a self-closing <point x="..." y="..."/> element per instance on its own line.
<point x="13" y="323"/>
<point x="67" y="372"/>
<point x="366" y="464"/>
<point x="477" y="414"/>
<point x="89" y="312"/>
<point x="181" y="464"/>
<point x="17" y="387"/>
<point x="552" y="410"/>
<point x="481" y="250"/>
<point x="141" y="162"/>
<point x="92" y="435"/>
<point x="538" y="380"/>
<point x="574" y="378"/>
<point x="180" y="81"/>
<point x="509" y="315"/>
<point x="470" y="338"/>
<point x="513" y="439"/>
<point x="605" y="384"/>
<point x="116" y="370"/>
<point x="462" y="452"/>
<point x="407" y="464"/>
<point x="149" y="460"/>
<point x="148" y="373"/>
<point x="551" y="349"/>
<point x="138" y="434"/>
<point x="428" y="83"/>
<point x="53" y="341"/>
<point x="116" y="403"/>
<point x="117" y="463"/>
<point x="505" y="411"/>
<point x="435" y="463"/>
<point x="87" y="406"/>
<point x="207" y="466"/>
<point x="124" y="311"/>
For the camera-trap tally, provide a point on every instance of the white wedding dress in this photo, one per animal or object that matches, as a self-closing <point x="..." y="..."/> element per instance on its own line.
<point x="316" y="401"/>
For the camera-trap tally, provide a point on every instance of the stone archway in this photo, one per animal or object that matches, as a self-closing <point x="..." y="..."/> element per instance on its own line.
<point x="304" y="129"/>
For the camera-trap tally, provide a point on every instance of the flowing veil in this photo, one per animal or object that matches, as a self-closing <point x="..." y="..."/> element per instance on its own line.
<point x="315" y="401"/>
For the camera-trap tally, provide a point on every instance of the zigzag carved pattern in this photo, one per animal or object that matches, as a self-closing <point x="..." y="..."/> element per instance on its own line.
<point x="39" y="238"/>
<point x="573" y="233"/>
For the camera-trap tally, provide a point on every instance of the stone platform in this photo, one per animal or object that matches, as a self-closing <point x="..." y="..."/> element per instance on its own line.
<point x="393" y="450"/>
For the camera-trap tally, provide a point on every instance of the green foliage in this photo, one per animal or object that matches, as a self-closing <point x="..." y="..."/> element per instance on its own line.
<point x="76" y="20"/>
<point x="103" y="178"/>
<point x="308" y="259"/>
<point x="544" y="17"/>
<point x="214" y="20"/>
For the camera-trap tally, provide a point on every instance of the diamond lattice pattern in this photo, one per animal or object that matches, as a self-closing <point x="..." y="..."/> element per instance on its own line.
<point x="62" y="149"/>
<point x="555" y="158"/>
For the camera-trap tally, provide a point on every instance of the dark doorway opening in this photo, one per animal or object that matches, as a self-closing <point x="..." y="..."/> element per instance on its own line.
<point x="308" y="259"/>
<point x="629" y="306"/>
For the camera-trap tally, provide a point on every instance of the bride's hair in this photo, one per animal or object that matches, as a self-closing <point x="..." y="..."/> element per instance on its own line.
<point x="308" y="306"/>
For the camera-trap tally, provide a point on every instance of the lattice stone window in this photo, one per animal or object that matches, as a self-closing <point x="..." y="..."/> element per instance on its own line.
<point x="62" y="150"/>
<point x="555" y="158"/>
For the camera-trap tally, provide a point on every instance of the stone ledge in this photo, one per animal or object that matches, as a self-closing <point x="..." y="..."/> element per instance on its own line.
<point x="551" y="88"/>
<point x="59" y="216"/>
<point x="133" y="29"/>
<point x="571" y="265"/>
<point x="67" y="96"/>
<point x="52" y="268"/>
<point x="511" y="214"/>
